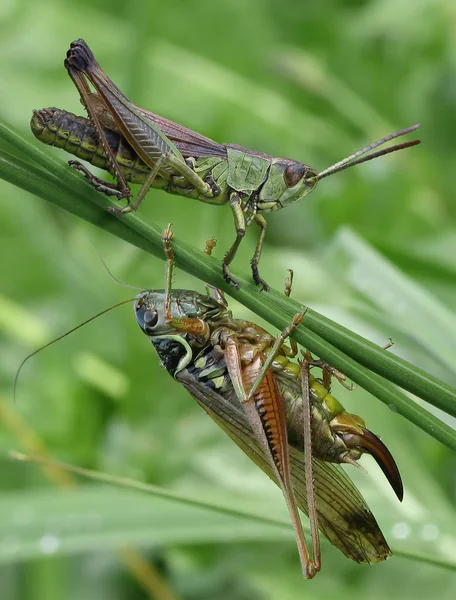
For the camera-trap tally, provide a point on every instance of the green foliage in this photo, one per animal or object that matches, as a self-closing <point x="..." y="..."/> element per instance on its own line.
<point x="371" y="248"/>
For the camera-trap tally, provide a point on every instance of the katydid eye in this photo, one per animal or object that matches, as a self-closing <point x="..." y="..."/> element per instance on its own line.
<point x="150" y="318"/>
<point x="293" y="174"/>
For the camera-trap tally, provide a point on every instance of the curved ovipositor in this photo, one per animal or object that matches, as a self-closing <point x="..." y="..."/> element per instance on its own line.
<point x="369" y="442"/>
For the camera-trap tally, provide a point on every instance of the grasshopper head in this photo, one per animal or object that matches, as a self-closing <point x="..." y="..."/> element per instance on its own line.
<point x="290" y="181"/>
<point x="299" y="180"/>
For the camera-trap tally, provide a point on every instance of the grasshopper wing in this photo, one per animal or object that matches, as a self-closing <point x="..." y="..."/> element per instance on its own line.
<point x="188" y="142"/>
<point x="343" y="515"/>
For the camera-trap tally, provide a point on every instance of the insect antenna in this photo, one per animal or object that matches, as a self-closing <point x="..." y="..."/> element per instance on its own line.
<point x="350" y="161"/>
<point x="109" y="272"/>
<point x="106" y="310"/>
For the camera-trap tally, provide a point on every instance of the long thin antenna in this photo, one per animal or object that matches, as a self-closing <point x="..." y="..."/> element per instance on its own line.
<point x="109" y="272"/>
<point x="61" y="337"/>
<point x="350" y="161"/>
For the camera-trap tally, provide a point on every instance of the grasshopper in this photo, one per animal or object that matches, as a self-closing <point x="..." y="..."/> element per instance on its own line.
<point x="138" y="146"/>
<point x="284" y="418"/>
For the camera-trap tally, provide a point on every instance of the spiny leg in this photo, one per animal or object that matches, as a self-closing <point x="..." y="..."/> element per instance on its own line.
<point x="190" y="325"/>
<point x="308" y="470"/>
<point x="167" y="237"/>
<point x="287" y="291"/>
<point x="261" y="222"/>
<point x="328" y="372"/>
<point x="239" y="223"/>
<point x="389" y="344"/>
<point x="209" y="190"/>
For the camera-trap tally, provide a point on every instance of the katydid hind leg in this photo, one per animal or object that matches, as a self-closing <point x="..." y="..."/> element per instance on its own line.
<point x="308" y="469"/>
<point x="266" y="416"/>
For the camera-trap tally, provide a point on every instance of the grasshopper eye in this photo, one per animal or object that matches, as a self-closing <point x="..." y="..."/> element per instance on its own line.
<point x="293" y="174"/>
<point x="150" y="318"/>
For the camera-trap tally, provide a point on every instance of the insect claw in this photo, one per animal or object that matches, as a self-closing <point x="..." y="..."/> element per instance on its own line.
<point x="168" y="234"/>
<point x="227" y="277"/>
<point x="256" y="276"/>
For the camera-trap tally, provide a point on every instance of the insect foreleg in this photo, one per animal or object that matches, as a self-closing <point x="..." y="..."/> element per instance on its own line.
<point x="193" y="326"/>
<point x="239" y="223"/>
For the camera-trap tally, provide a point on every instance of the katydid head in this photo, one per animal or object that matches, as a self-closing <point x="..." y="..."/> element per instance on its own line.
<point x="300" y="179"/>
<point x="155" y="321"/>
<point x="179" y="329"/>
<point x="149" y="309"/>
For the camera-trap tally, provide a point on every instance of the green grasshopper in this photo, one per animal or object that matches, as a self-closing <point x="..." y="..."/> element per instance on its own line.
<point x="280" y="415"/>
<point x="284" y="418"/>
<point x="138" y="146"/>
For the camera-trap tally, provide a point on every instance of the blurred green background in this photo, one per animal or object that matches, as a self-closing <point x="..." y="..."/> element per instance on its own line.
<point x="373" y="248"/>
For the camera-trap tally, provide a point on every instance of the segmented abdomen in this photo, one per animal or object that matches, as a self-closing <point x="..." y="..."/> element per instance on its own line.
<point x="77" y="136"/>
